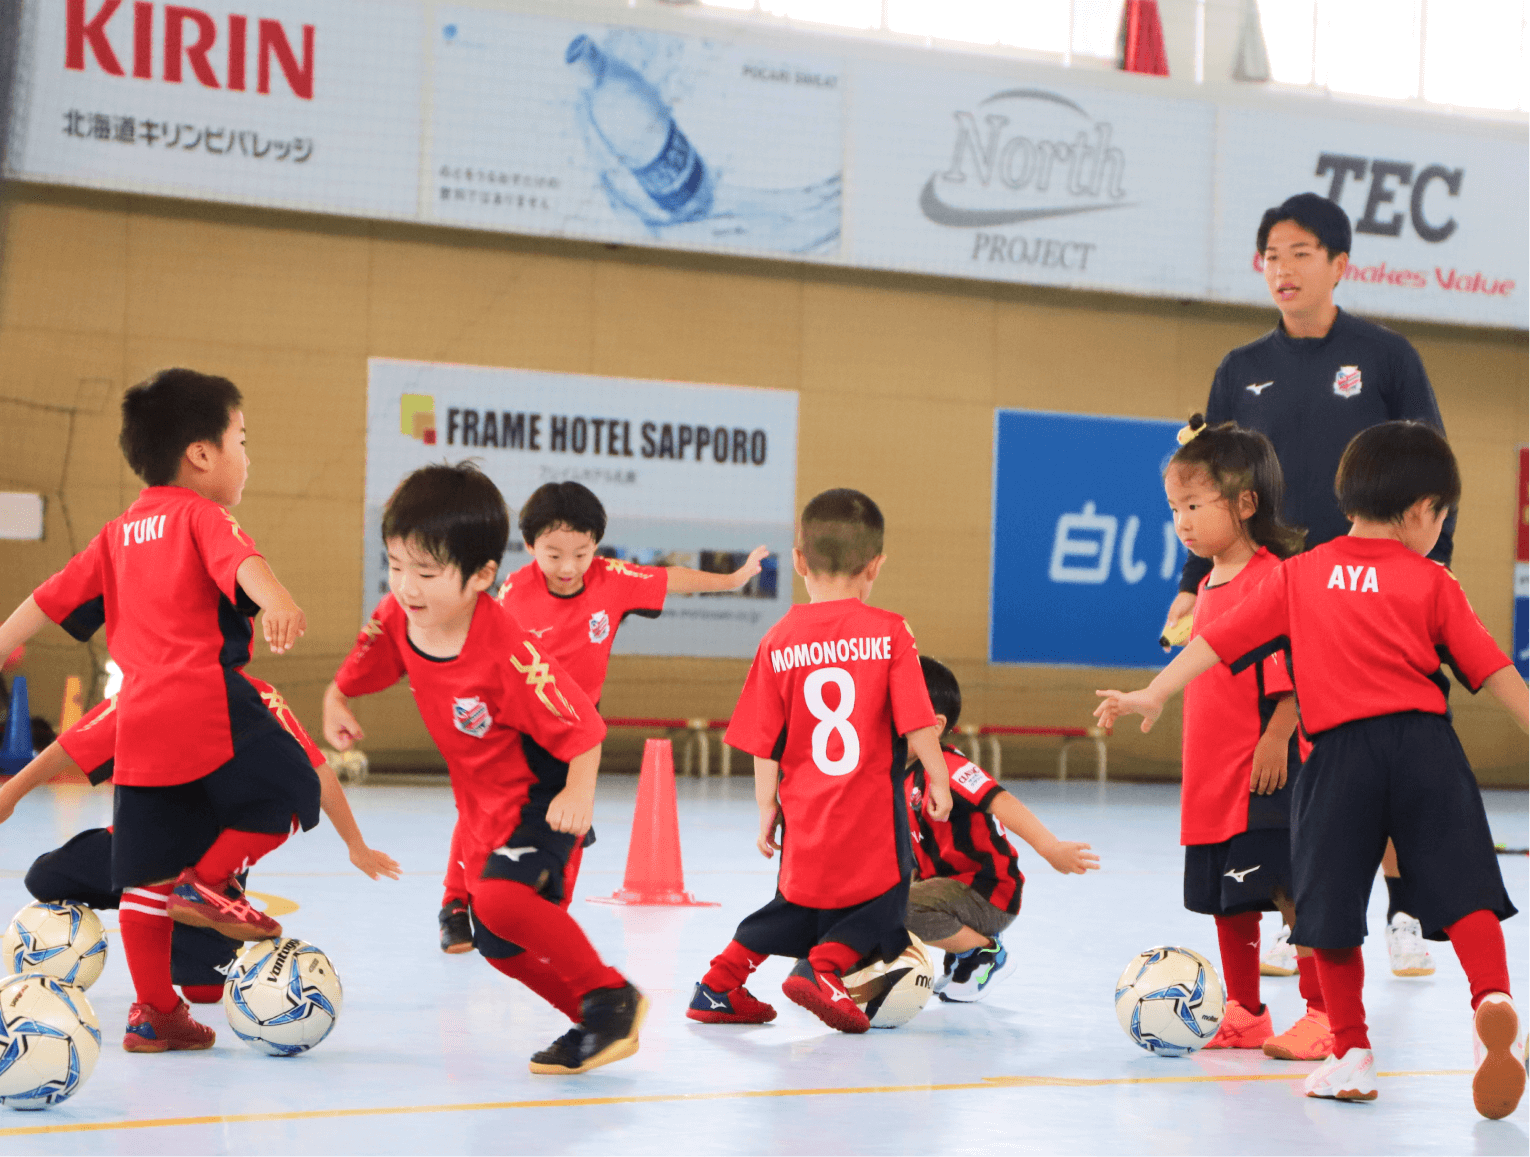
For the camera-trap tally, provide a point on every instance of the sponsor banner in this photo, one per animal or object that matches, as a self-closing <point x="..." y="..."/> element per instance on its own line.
<point x="628" y="134"/>
<point x="1085" y="559"/>
<point x="1439" y="217"/>
<point x="1053" y="184"/>
<point x="270" y="102"/>
<point x="1521" y="650"/>
<point x="689" y="475"/>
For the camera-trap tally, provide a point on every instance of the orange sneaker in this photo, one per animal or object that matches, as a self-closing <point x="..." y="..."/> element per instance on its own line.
<point x="1241" y="1029"/>
<point x="1309" y="1039"/>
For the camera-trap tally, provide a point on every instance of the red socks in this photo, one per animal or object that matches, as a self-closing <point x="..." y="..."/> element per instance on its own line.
<point x="1341" y="972"/>
<point x="513" y="912"/>
<point x="456" y="877"/>
<point x="234" y="852"/>
<point x="731" y="967"/>
<point x="1238" y="939"/>
<point x="146" y="933"/>
<point x="832" y="957"/>
<point x="202" y="993"/>
<point x="1478" y="941"/>
<point x="1311" y="988"/>
<point x="540" y="976"/>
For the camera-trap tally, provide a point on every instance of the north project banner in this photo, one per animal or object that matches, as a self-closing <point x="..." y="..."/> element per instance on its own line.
<point x="690" y="475"/>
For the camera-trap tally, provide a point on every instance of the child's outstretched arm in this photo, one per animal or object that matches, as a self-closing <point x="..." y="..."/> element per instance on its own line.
<point x="341" y="731"/>
<point x="24" y="622"/>
<point x="283" y="622"/>
<point x="338" y="809"/>
<point x="572" y="810"/>
<point x="767" y="774"/>
<point x="50" y="762"/>
<point x="1510" y="690"/>
<point x="685" y="580"/>
<point x="924" y="742"/>
<point x="1067" y="857"/>
<point x="1196" y="659"/>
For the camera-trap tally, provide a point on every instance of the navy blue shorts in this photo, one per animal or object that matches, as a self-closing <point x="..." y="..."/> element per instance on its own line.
<point x="158" y="831"/>
<point x="1402" y="777"/>
<point x="873" y="928"/>
<point x="1242" y="874"/>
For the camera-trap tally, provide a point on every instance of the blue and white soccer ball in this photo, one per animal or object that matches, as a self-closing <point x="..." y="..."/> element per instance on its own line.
<point x="49" y="1041"/>
<point x="1170" y="1001"/>
<point x="282" y="997"/>
<point x="61" y="939"/>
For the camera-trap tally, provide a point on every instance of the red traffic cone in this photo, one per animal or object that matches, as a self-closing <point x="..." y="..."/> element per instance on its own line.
<point x="1141" y="47"/>
<point x="654" y="874"/>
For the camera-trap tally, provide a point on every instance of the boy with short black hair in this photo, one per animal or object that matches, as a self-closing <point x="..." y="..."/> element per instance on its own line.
<point x="521" y="741"/>
<point x="968" y="884"/>
<point x="834" y="701"/>
<point x="176" y="582"/>
<point x="1368" y="620"/>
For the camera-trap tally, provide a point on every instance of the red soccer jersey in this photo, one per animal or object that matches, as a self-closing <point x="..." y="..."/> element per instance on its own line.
<point x="92" y="742"/>
<point x="833" y="687"/>
<point x="162" y="578"/>
<point x="1225" y="714"/>
<point x="1368" y="622"/>
<point x="971" y="846"/>
<point x="503" y="712"/>
<point x="578" y="630"/>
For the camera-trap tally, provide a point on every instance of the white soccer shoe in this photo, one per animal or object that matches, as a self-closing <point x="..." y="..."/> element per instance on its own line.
<point x="1280" y="960"/>
<point x="1499" y="1052"/>
<point x="1405" y="947"/>
<point x="1350" y="1078"/>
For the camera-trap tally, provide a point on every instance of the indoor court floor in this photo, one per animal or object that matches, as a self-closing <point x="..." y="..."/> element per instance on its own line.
<point x="430" y="1052"/>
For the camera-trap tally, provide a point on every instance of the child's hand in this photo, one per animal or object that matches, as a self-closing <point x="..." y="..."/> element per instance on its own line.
<point x="768" y="841"/>
<point x="937" y="802"/>
<point x="1269" y="774"/>
<point x="283" y="625"/>
<point x="374" y="863"/>
<point x="341" y="730"/>
<point x="751" y="566"/>
<point x="1119" y="703"/>
<point x="1070" y="858"/>
<point x="571" y="811"/>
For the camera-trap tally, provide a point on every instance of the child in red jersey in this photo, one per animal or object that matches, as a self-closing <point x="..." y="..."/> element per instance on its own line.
<point x="574" y="601"/>
<point x="1368" y="621"/>
<point x="521" y="741"/>
<point x="81" y="870"/>
<point x="1225" y="490"/>
<point x="969" y="881"/>
<point x="834" y="686"/>
<point x="176" y="583"/>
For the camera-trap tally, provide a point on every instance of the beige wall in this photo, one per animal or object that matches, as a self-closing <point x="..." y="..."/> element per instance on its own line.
<point x="898" y="378"/>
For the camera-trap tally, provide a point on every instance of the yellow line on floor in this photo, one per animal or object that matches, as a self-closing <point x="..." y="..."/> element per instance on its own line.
<point x="672" y="1098"/>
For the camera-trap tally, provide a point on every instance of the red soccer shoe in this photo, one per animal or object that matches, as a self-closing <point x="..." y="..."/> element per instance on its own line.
<point x="152" y="1031"/>
<point x="224" y="909"/>
<point x="736" y="1006"/>
<point x="823" y="994"/>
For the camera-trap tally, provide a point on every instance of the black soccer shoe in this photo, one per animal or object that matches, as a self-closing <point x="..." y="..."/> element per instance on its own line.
<point x="608" y="1032"/>
<point x="456" y="928"/>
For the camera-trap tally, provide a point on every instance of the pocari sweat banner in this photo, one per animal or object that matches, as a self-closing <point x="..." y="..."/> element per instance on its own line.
<point x="690" y="475"/>
<point x="1085" y="558"/>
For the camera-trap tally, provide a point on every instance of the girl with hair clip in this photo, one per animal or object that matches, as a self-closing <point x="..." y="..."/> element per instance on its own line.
<point x="1225" y="489"/>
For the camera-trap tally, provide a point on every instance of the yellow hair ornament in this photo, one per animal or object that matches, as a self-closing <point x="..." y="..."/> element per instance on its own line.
<point x="1190" y="429"/>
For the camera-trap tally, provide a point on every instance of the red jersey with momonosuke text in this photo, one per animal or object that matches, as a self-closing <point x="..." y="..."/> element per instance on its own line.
<point x="833" y="688"/>
<point x="503" y="712"/>
<point x="1369" y="624"/>
<point x="1225" y="714"/>
<point x="92" y="742"/>
<point x="162" y="578"/>
<point x="971" y="846"/>
<point x="579" y="629"/>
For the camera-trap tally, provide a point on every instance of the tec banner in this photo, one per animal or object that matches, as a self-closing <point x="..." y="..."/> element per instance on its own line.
<point x="690" y="475"/>
<point x="1085" y="560"/>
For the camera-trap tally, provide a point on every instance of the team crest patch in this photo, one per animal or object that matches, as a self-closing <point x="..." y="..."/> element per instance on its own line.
<point x="471" y="717"/>
<point x="1346" y="383"/>
<point x="600" y="627"/>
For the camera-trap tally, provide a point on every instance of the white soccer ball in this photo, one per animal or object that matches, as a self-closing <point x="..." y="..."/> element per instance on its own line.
<point x="1170" y="1001"/>
<point x="49" y="1040"/>
<point x="61" y="939"/>
<point x="282" y="997"/>
<point x="890" y="993"/>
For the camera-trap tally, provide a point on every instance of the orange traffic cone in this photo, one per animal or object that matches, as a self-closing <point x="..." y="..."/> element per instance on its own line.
<point x="654" y="874"/>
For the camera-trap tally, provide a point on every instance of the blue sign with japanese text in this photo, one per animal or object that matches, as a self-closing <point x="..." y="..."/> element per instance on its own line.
<point x="1085" y="559"/>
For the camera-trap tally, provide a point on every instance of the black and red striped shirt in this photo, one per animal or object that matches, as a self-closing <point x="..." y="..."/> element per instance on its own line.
<point x="971" y="846"/>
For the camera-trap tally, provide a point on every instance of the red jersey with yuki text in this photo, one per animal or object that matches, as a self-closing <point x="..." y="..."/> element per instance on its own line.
<point x="833" y="688"/>
<point x="971" y="846"/>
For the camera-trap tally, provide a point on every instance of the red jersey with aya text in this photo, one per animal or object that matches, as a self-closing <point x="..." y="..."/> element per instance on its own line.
<point x="1369" y="623"/>
<point x="503" y="712"/>
<point x="579" y="629"/>
<point x="971" y="846"/>
<point x="1225" y="714"/>
<point x="162" y="579"/>
<point x="833" y="688"/>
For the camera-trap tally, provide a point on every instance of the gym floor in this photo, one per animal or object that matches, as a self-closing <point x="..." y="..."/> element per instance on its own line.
<point x="430" y="1052"/>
